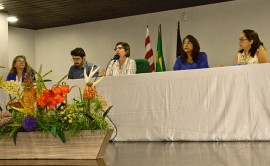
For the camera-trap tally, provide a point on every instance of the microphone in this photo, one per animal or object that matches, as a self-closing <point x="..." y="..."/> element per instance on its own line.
<point x="116" y="57"/>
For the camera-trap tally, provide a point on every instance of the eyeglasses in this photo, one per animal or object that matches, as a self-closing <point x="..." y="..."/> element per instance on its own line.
<point x="118" y="48"/>
<point x="241" y="40"/>
<point x="75" y="59"/>
<point x="20" y="61"/>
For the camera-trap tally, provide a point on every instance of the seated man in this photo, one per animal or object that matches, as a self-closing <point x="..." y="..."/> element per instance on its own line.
<point x="76" y="71"/>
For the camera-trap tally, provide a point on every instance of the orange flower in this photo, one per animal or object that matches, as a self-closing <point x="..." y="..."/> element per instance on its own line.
<point x="56" y="90"/>
<point x="53" y="97"/>
<point x="41" y="102"/>
<point x="89" y="92"/>
<point x="65" y="89"/>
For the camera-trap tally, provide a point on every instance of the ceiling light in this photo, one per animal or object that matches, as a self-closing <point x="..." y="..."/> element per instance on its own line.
<point x="1" y="7"/>
<point x="12" y="19"/>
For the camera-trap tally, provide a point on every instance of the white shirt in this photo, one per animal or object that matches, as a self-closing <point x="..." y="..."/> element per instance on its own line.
<point x="19" y="81"/>
<point x="114" y="69"/>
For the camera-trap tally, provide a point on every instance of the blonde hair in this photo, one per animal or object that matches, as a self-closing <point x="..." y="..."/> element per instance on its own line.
<point x="13" y="68"/>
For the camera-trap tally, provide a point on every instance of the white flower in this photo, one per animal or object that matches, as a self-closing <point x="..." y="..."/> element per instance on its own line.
<point x="91" y="73"/>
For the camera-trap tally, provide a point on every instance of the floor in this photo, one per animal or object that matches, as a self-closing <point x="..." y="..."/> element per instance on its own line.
<point x="188" y="154"/>
<point x="171" y="154"/>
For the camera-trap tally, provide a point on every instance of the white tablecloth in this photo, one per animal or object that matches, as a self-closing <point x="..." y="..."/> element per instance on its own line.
<point x="225" y="103"/>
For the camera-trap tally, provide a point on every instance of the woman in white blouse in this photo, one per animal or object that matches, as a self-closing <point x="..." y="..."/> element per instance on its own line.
<point x="252" y="49"/>
<point x="123" y="66"/>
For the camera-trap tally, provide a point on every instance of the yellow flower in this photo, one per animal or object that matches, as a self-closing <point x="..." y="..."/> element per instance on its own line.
<point x="29" y="98"/>
<point x="12" y="87"/>
<point x="70" y="121"/>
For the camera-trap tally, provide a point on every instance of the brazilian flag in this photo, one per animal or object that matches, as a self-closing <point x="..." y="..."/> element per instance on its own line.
<point x="160" y="64"/>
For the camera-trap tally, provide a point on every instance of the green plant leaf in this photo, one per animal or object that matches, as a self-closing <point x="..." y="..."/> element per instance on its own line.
<point x="61" y="135"/>
<point x="61" y="80"/>
<point x="89" y="116"/>
<point x="14" y="133"/>
<point x="15" y="138"/>
<point x="107" y="111"/>
<point x="53" y="130"/>
<point x="22" y="110"/>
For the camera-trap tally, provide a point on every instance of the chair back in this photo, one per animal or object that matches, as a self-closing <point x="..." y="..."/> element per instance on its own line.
<point x="142" y="66"/>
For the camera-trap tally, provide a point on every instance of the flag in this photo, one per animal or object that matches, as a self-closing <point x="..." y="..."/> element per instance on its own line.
<point x="160" y="64"/>
<point x="149" y="55"/>
<point x="179" y="44"/>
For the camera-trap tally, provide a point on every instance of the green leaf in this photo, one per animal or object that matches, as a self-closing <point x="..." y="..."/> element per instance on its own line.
<point x="53" y="130"/>
<point x="15" y="138"/>
<point x="61" y="135"/>
<point x="89" y="116"/>
<point x="15" y="125"/>
<point x="14" y="133"/>
<point x="22" y="110"/>
<point x="107" y="111"/>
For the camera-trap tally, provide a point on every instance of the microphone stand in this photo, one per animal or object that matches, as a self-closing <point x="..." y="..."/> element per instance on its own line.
<point x="108" y="65"/>
<point x="115" y="58"/>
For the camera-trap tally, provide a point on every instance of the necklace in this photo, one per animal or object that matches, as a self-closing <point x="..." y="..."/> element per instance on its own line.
<point x="245" y="59"/>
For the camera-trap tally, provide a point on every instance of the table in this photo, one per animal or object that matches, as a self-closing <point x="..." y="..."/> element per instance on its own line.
<point x="216" y="104"/>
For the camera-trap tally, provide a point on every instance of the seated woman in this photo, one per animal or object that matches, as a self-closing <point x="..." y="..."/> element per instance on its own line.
<point x="19" y="68"/>
<point x="191" y="57"/>
<point x="252" y="49"/>
<point x="123" y="66"/>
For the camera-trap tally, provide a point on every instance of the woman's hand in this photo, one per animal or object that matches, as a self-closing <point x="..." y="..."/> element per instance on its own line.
<point x="102" y="72"/>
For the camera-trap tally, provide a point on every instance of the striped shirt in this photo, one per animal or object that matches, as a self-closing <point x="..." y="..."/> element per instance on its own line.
<point x="114" y="68"/>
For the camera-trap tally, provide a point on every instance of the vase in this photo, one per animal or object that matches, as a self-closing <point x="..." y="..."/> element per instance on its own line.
<point x="88" y="144"/>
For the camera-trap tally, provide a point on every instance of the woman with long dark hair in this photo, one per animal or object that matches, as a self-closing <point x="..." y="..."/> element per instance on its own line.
<point x="191" y="57"/>
<point x="251" y="50"/>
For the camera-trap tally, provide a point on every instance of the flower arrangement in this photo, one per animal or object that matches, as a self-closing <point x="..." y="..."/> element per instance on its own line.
<point x="33" y="107"/>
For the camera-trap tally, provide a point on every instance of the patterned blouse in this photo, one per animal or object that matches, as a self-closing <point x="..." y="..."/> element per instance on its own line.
<point x="243" y="60"/>
<point x="114" y="69"/>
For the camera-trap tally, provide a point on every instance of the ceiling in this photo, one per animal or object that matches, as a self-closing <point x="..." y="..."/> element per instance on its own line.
<point x="40" y="14"/>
